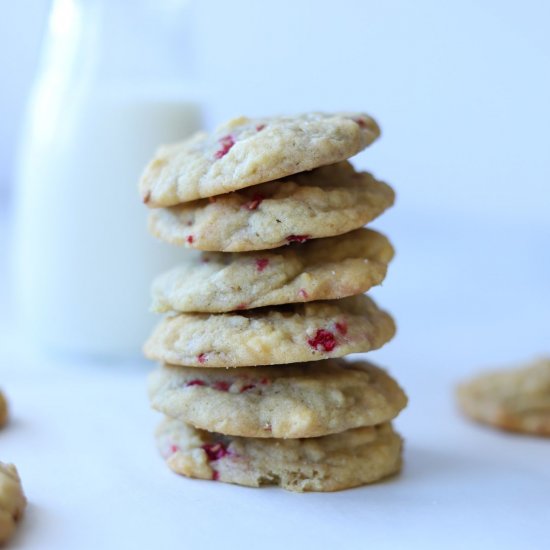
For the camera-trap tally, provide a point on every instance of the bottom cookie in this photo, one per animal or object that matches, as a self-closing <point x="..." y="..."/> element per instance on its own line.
<point x="330" y="463"/>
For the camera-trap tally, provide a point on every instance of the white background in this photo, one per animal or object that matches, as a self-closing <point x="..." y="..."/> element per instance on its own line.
<point x="461" y="90"/>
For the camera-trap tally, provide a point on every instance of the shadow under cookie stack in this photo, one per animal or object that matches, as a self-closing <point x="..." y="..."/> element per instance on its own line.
<point x="252" y="382"/>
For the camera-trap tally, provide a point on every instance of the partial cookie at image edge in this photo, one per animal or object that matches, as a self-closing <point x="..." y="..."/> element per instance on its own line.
<point x="515" y="399"/>
<point x="12" y="500"/>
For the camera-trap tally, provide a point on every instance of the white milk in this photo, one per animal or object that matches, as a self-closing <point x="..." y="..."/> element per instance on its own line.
<point x="84" y="260"/>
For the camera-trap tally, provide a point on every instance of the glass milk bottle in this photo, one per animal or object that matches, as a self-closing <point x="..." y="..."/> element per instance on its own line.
<point x="113" y="84"/>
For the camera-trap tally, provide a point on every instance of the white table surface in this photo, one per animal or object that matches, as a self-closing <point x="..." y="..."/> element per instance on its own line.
<point x="81" y="433"/>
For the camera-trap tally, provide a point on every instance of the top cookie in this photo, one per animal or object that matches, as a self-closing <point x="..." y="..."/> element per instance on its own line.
<point x="516" y="400"/>
<point x="245" y="152"/>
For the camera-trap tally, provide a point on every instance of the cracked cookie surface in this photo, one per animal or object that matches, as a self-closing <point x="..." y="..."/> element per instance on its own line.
<point x="325" y="269"/>
<point x="291" y="401"/>
<point x="325" y="202"/>
<point x="245" y="152"/>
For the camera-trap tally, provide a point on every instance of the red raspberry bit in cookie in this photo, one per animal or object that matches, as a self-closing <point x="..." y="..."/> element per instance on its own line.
<point x="201" y="358"/>
<point x="241" y="306"/>
<point x="260" y="127"/>
<point x="226" y="143"/>
<point x="361" y="122"/>
<point x="190" y="239"/>
<point x="215" y="475"/>
<point x="261" y="264"/>
<point x="254" y="203"/>
<point x="147" y="197"/>
<point x="323" y="339"/>
<point x="174" y="449"/>
<point x="297" y="238"/>
<point x="303" y="293"/>
<point x="221" y="385"/>
<point x="195" y="382"/>
<point x="214" y="451"/>
<point x="264" y="381"/>
<point x="247" y="387"/>
<point x="341" y="327"/>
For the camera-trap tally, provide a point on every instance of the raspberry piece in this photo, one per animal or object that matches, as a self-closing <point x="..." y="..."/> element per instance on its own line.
<point x="214" y="451"/>
<point x="264" y="381"/>
<point x="260" y="127"/>
<point x="226" y="143"/>
<point x="261" y="264"/>
<point x="174" y="449"/>
<point x="221" y="385"/>
<point x="215" y="475"/>
<point x="323" y="339"/>
<point x="195" y="382"/>
<point x="303" y="293"/>
<point x="341" y="327"/>
<point x="247" y="387"/>
<point x="190" y="239"/>
<point x="360" y="122"/>
<point x="201" y="357"/>
<point x="297" y="238"/>
<point x="241" y="306"/>
<point x="254" y="203"/>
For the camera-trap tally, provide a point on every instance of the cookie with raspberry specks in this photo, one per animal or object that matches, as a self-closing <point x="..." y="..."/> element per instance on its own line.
<point x="291" y="401"/>
<point x="516" y="400"/>
<point x="12" y="500"/>
<point x="330" y="463"/>
<point x="323" y="269"/>
<point x="245" y="152"/>
<point x="328" y="201"/>
<point x="3" y="410"/>
<point x="273" y="335"/>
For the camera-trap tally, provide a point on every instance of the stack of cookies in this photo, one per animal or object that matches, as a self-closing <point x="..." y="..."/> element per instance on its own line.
<point x="270" y="299"/>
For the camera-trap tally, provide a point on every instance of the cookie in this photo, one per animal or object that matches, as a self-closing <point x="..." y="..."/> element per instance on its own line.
<point x="244" y="152"/>
<point x="329" y="201"/>
<point x="328" y="463"/>
<point x="323" y="269"/>
<point x="3" y="410"/>
<point x="12" y="500"/>
<point x="269" y="336"/>
<point x="517" y="400"/>
<point x="291" y="401"/>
